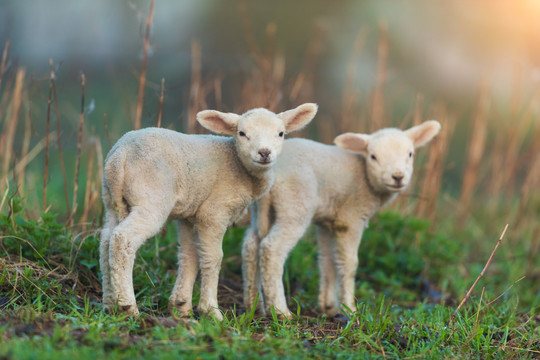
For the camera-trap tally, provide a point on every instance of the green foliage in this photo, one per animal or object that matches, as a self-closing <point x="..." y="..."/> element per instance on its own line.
<point x="400" y="256"/>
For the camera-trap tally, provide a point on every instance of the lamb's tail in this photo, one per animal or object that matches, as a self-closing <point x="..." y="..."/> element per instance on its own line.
<point x="113" y="185"/>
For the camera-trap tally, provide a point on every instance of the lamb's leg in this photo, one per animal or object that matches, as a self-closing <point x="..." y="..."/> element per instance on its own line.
<point x="250" y="268"/>
<point x="346" y="258"/>
<point x="188" y="266"/>
<point x="327" y="269"/>
<point x="274" y="250"/>
<point x="110" y="223"/>
<point x="210" y="256"/>
<point x="126" y="239"/>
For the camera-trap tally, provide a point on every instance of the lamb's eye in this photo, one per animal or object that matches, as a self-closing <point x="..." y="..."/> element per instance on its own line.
<point x="241" y="133"/>
<point x="373" y="157"/>
<point x="281" y="134"/>
<point x="410" y="154"/>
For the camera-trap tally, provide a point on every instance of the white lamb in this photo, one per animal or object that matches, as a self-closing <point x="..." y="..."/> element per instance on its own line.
<point x="205" y="182"/>
<point x="338" y="189"/>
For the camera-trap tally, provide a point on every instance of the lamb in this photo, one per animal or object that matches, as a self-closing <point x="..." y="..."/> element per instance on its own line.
<point x="205" y="182"/>
<point x="338" y="188"/>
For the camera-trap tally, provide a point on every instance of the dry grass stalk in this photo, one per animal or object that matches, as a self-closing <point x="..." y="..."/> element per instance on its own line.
<point x="47" y="128"/>
<point x="11" y="125"/>
<point x="479" y="276"/>
<point x="31" y="155"/>
<point x="435" y="166"/>
<point x="377" y="105"/>
<point x="3" y="63"/>
<point x="25" y="147"/>
<point x="351" y="94"/>
<point x="142" y="75"/>
<point x="418" y="109"/>
<point x="476" y="149"/>
<point x="529" y="188"/>
<point x="497" y="164"/>
<point x="59" y="136"/>
<point x="89" y="191"/>
<point x="217" y="92"/>
<point x="160" y="110"/>
<point x="78" y="156"/>
<point x="107" y="129"/>
<point x="196" y="93"/>
<point x="507" y="145"/>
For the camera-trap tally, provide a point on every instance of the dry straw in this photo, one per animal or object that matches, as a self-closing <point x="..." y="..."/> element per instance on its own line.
<point x="78" y="157"/>
<point x="144" y="63"/>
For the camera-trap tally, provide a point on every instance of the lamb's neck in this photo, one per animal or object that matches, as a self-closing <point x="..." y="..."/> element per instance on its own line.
<point x="262" y="181"/>
<point x="383" y="197"/>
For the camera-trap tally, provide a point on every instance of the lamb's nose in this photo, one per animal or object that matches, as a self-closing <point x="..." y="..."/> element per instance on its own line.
<point x="265" y="153"/>
<point x="398" y="176"/>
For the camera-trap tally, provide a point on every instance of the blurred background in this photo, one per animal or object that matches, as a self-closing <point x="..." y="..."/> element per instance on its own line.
<point x="473" y="65"/>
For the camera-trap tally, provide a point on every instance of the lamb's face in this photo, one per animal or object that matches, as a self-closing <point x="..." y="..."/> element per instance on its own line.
<point x="259" y="137"/>
<point x="389" y="161"/>
<point x="389" y="153"/>
<point x="259" y="133"/>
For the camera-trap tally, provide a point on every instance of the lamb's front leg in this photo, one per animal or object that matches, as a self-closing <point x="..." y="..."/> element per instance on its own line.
<point x="250" y="268"/>
<point x="346" y="258"/>
<point x="188" y="266"/>
<point x="327" y="269"/>
<point x="126" y="239"/>
<point x="210" y="256"/>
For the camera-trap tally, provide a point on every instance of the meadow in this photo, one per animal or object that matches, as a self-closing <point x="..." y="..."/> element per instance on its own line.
<point x="418" y="259"/>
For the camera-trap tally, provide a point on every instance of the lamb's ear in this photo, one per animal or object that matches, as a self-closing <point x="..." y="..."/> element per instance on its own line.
<point x="357" y="143"/>
<point x="218" y="122"/>
<point x="421" y="134"/>
<point x="299" y="117"/>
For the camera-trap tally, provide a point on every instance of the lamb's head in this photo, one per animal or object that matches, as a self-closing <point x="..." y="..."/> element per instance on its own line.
<point x="389" y="153"/>
<point x="259" y="133"/>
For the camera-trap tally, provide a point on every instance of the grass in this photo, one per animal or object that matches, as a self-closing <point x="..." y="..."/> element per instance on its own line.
<point x="406" y="286"/>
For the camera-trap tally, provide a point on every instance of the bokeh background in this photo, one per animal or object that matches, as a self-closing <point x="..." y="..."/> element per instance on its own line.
<point x="473" y="65"/>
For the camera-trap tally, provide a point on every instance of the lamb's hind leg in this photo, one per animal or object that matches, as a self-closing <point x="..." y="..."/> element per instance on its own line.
<point x="188" y="266"/>
<point x="110" y="223"/>
<point x="274" y="249"/>
<point x="127" y="237"/>
<point x="327" y="269"/>
<point x="250" y="268"/>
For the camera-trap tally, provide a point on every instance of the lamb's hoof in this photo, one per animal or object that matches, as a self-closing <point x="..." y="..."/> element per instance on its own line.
<point x="281" y="314"/>
<point x="341" y="319"/>
<point x="179" y="309"/>
<point x="211" y="310"/>
<point x="130" y="310"/>
<point x="329" y="310"/>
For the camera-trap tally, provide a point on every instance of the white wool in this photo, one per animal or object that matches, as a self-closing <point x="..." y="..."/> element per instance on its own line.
<point x="205" y="182"/>
<point x="338" y="188"/>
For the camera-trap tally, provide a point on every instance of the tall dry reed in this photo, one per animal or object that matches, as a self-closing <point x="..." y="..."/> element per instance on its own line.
<point x="144" y="63"/>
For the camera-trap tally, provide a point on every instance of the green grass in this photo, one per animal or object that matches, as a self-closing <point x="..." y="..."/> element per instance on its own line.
<point x="410" y="279"/>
